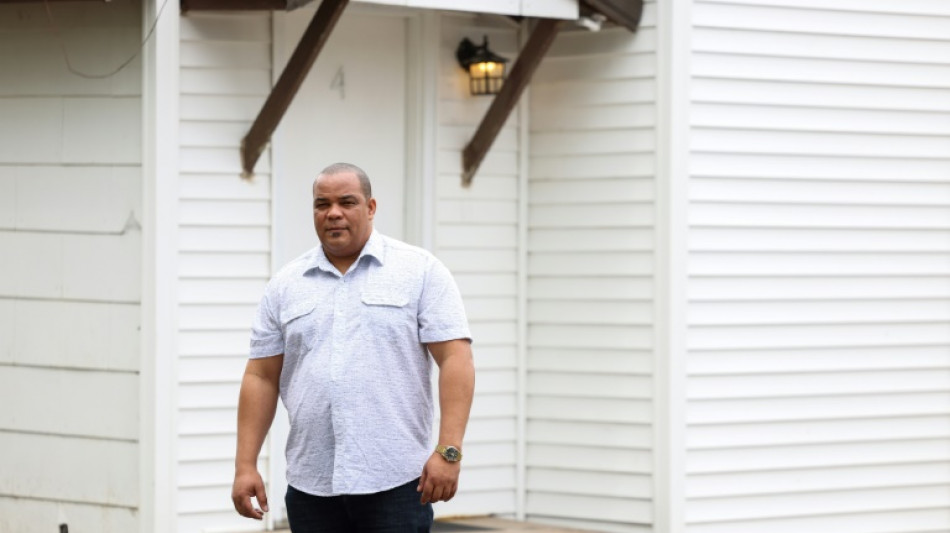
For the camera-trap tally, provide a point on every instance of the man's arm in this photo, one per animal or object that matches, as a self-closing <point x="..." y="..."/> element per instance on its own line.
<point x="439" y="479"/>
<point x="256" y="407"/>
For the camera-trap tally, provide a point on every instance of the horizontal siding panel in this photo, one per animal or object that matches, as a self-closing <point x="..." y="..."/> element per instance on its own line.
<point x="819" y="120"/>
<point x="813" y="94"/>
<point x="491" y="333"/>
<point x="224" y="239"/>
<point x="817" y="143"/>
<point x="746" y="337"/>
<point x="457" y="137"/>
<point x="586" y="360"/>
<point x="589" y="507"/>
<point x="746" y="215"/>
<point x="77" y="470"/>
<point x="879" y="522"/>
<point x="217" y="161"/>
<point x="819" y="192"/>
<point x="758" y="507"/>
<point x="825" y="312"/>
<point x="820" y="21"/>
<point x="793" y="70"/>
<point x="826" y="263"/>
<point x="483" y="187"/>
<point x="483" y="308"/>
<point x="592" y="166"/>
<point x="472" y="285"/>
<point x="245" y="80"/>
<point x="596" y="68"/>
<point x="590" y="336"/>
<point x="908" y="7"/>
<point x="200" y="395"/>
<point x="88" y="199"/>
<point x="228" y="54"/>
<point x="819" y="479"/>
<point x="858" y="48"/>
<point x="477" y="212"/>
<point x="815" y="384"/>
<point x="494" y="357"/>
<point x="615" y="40"/>
<point x="211" y="134"/>
<point x="101" y="267"/>
<point x="818" y="287"/>
<point x="594" y="434"/>
<point x="218" y="213"/>
<point x="88" y="335"/>
<point x="222" y="291"/>
<point x="589" y="385"/>
<point x="819" y="456"/>
<point x="832" y="360"/>
<point x="102" y="130"/>
<point x="820" y="406"/>
<point x="581" y="458"/>
<point x="602" y="288"/>
<point x="497" y="163"/>
<point x="226" y="186"/>
<point x="482" y="503"/>
<point x="494" y="405"/>
<point x="69" y="402"/>
<point x="580" y="312"/>
<point x="209" y="370"/>
<point x="588" y="190"/>
<point x="864" y="169"/>
<point x="595" y="263"/>
<point x="605" y="215"/>
<point x="213" y="343"/>
<point x="590" y="240"/>
<point x="205" y="27"/>
<point x="602" y="410"/>
<point x="592" y="142"/>
<point x="23" y="515"/>
<point x="479" y="261"/>
<point x="821" y="431"/>
<point x="592" y="118"/>
<point x="587" y="92"/>
<point x="223" y="265"/>
<point x="469" y="237"/>
<point x="793" y="239"/>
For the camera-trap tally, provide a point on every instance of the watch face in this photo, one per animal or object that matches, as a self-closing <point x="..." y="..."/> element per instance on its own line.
<point x="452" y="453"/>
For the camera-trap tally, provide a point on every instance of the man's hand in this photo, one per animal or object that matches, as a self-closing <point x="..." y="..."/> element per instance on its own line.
<point x="439" y="481"/>
<point x="246" y="484"/>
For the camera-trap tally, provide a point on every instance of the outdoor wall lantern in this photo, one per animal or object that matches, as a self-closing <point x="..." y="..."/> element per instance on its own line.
<point x="486" y="70"/>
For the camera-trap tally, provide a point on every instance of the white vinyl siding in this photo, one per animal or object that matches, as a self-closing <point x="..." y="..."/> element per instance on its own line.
<point x="475" y="234"/>
<point x="590" y="281"/>
<point x="70" y="205"/>
<point x="818" y="392"/>
<point x="224" y="261"/>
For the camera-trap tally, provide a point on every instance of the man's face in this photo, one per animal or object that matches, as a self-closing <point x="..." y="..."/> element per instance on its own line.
<point x="342" y="216"/>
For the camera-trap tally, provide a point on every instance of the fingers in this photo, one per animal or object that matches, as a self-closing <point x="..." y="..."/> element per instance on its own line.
<point x="246" y="486"/>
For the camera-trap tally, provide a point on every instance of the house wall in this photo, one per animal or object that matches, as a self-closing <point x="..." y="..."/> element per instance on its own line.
<point x="476" y="235"/>
<point x="819" y="267"/>
<point x="224" y="262"/>
<point x="590" y="294"/>
<point x="70" y="202"/>
<point x="225" y="249"/>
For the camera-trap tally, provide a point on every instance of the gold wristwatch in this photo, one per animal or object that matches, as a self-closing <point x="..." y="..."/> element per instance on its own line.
<point x="449" y="453"/>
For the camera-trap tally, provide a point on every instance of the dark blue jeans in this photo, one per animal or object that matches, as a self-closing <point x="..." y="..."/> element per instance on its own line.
<point x="392" y="511"/>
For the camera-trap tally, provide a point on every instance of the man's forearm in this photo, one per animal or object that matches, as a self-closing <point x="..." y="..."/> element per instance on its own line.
<point x="456" y="389"/>
<point x="256" y="408"/>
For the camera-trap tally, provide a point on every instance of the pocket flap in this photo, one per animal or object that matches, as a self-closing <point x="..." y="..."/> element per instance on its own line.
<point x="391" y="299"/>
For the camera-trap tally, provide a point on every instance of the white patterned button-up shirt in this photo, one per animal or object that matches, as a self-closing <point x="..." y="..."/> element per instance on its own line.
<point x="356" y="373"/>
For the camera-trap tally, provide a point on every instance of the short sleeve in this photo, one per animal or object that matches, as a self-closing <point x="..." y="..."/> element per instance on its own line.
<point x="267" y="339"/>
<point x="441" y="311"/>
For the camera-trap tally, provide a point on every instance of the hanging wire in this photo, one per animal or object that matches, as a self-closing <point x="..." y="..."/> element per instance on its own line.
<point x="69" y="65"/>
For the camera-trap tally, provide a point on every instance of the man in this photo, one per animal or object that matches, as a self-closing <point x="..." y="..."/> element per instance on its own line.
<point x="343" y="335"/>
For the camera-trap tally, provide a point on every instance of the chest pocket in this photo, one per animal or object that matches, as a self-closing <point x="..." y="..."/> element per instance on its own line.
<point x="299" y="326"/>
<point x="387" y="308"/>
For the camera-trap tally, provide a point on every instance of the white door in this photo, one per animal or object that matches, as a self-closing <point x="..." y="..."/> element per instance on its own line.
<point x="351" y="108"/>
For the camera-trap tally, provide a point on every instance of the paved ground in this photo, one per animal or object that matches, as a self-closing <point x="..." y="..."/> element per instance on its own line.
<point x="488" y="525"/>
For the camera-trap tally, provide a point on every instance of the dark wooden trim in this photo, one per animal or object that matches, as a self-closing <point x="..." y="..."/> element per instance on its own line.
<point x="316" y="35"/>
<point x="528" y="60"/>
<point x="626" y="13"/>
<point x="233" y="5"/>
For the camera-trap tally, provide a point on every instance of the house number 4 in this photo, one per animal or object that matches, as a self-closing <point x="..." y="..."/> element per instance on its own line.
<point x="339" y="82"/>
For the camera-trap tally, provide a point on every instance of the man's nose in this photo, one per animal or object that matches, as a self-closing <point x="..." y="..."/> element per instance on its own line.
<point x="334" y="211"/>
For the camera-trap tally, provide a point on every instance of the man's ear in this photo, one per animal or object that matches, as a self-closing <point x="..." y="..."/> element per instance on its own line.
<point x="371" y="204"/>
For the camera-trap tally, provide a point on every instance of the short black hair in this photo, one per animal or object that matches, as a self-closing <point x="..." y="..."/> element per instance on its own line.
<point x="339" y="168"/>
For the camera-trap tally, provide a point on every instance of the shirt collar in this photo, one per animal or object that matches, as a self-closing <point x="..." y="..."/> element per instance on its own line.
<point x="375" y="247"/>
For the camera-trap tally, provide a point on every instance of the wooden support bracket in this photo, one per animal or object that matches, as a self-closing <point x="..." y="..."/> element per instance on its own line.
<point x="528" y="60"/>
<point x="316" y="35"/>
